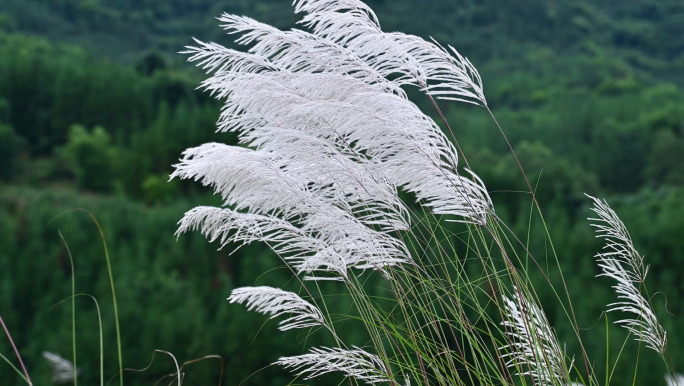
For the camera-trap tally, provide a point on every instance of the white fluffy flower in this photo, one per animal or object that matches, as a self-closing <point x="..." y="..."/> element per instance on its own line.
<point x="276" y="302"/>
<point x="355" y="363"/>
<point x="618" y="242"/>
<point x="624" y="264"/>
<point x="534" y="349"/>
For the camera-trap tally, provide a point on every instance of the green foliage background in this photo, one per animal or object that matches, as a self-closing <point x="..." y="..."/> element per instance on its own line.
<point x="95" y="107"/>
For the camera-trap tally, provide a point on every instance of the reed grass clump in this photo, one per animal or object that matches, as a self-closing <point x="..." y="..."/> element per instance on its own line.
<point x="346" y="179"/>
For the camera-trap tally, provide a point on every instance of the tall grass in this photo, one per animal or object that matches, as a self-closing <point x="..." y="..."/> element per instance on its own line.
<point x="346" y="179"/>
<point x="65" y="371"/>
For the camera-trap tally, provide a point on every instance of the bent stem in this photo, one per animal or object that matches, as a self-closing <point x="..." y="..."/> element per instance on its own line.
<point x="26" y="378"/>
<point x="73" y="305"/>
<point x="116" y="309"/>
<point x="111" y="281"/>
<point x="14" y="367"/>
<point x="191" y="362"/>
<point x="174" y="361"/>
<point x="553" y="249"/>
<point x="99" y="319"/>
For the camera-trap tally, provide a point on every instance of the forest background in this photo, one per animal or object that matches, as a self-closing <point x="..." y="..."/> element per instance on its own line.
<point x="95" y="107"/>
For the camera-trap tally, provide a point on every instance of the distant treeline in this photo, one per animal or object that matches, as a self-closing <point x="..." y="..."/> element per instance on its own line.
<point x="592" y="122"/>
<point x="648" y="33"/>
<point x="110" y="128"/>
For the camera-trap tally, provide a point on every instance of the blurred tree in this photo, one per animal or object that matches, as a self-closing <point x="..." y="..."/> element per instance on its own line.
<point x="150" y="63"/>
<point x="91" y="156"/>
<point x="664" y="164"/>
<point x="7" y="23"/>
<point x="158" y="189"/>
<point x="10" y="147"/>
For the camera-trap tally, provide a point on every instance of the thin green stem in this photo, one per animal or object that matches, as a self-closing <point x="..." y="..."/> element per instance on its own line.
<point x="15" y="369"/>
<point x="116" y="309"/>
<point x="607" y="347"/>
<point x="99" y="320"/>
<point x="111" y="282"/>
<point x="27" y="378"/>
<point x="73" y="305"/>
<point x="636" y="366"/>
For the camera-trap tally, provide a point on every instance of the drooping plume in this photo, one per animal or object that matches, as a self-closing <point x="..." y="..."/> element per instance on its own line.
<point x="618" y="241"/>
<point x="355" y="363"/>
<point x="624" y="264"/>
<point x="408" y="59"/>
<point x="328" y="139"/>
<point x="62" y="369"/>
<point x="534" y="349"/>
<point x="276" y="302"/>
<point x="333" y="139"/>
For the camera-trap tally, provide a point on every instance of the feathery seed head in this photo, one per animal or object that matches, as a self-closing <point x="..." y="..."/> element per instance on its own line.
<point x="534" y="349"/>
<point x="276" y="302"/>
<point x="356" y="363"/>
<point x="332" y="138"/>
<point x="624" y="264"/>
<point x="618" y="241"/>
<point x="62" y="369"/>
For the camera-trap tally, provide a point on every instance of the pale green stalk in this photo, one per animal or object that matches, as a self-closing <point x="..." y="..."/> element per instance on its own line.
<point x="111" y="281"/>
<point x="26" y="375"/>
<point x="116" y="309"/>
<point x="15" y="368"/>
<point x="73" y="305"/>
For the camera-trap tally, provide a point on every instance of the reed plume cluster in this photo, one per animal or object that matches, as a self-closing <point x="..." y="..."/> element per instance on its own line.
<point x="330" y="149"/>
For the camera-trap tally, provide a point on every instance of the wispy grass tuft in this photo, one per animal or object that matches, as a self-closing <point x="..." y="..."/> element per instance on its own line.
<point x="63" y="371"/>
<point x="111" y="282"/>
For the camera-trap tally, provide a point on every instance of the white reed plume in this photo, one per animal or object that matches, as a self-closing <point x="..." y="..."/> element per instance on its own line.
<point x="355" y="363"/>
<point x="645" y="326"/>
<point x="62" y="369"/>
<point x="673" y="380"/>
<point x="311" y="122"/>
<point x="324" y="244"/>
<point x="618" y="241"/>
<point x="264" y="183"/>
<point x="330" y="154"/>
<point x="624" y="264"/>
<point x="323" y="95"/>
<point x="534" y="349"/>
<point x="276" y="302"/>
<point x="294" y="51"/>
<point x="410" y="59"/>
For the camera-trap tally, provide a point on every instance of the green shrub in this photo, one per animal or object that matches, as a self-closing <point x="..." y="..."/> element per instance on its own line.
<point x="91" y="157"/>
<point x="10" y="148"/>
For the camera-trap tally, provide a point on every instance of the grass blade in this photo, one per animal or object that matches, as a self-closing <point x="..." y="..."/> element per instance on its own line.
<point x="27" y="378"/>
<point x="15" y="369"/>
